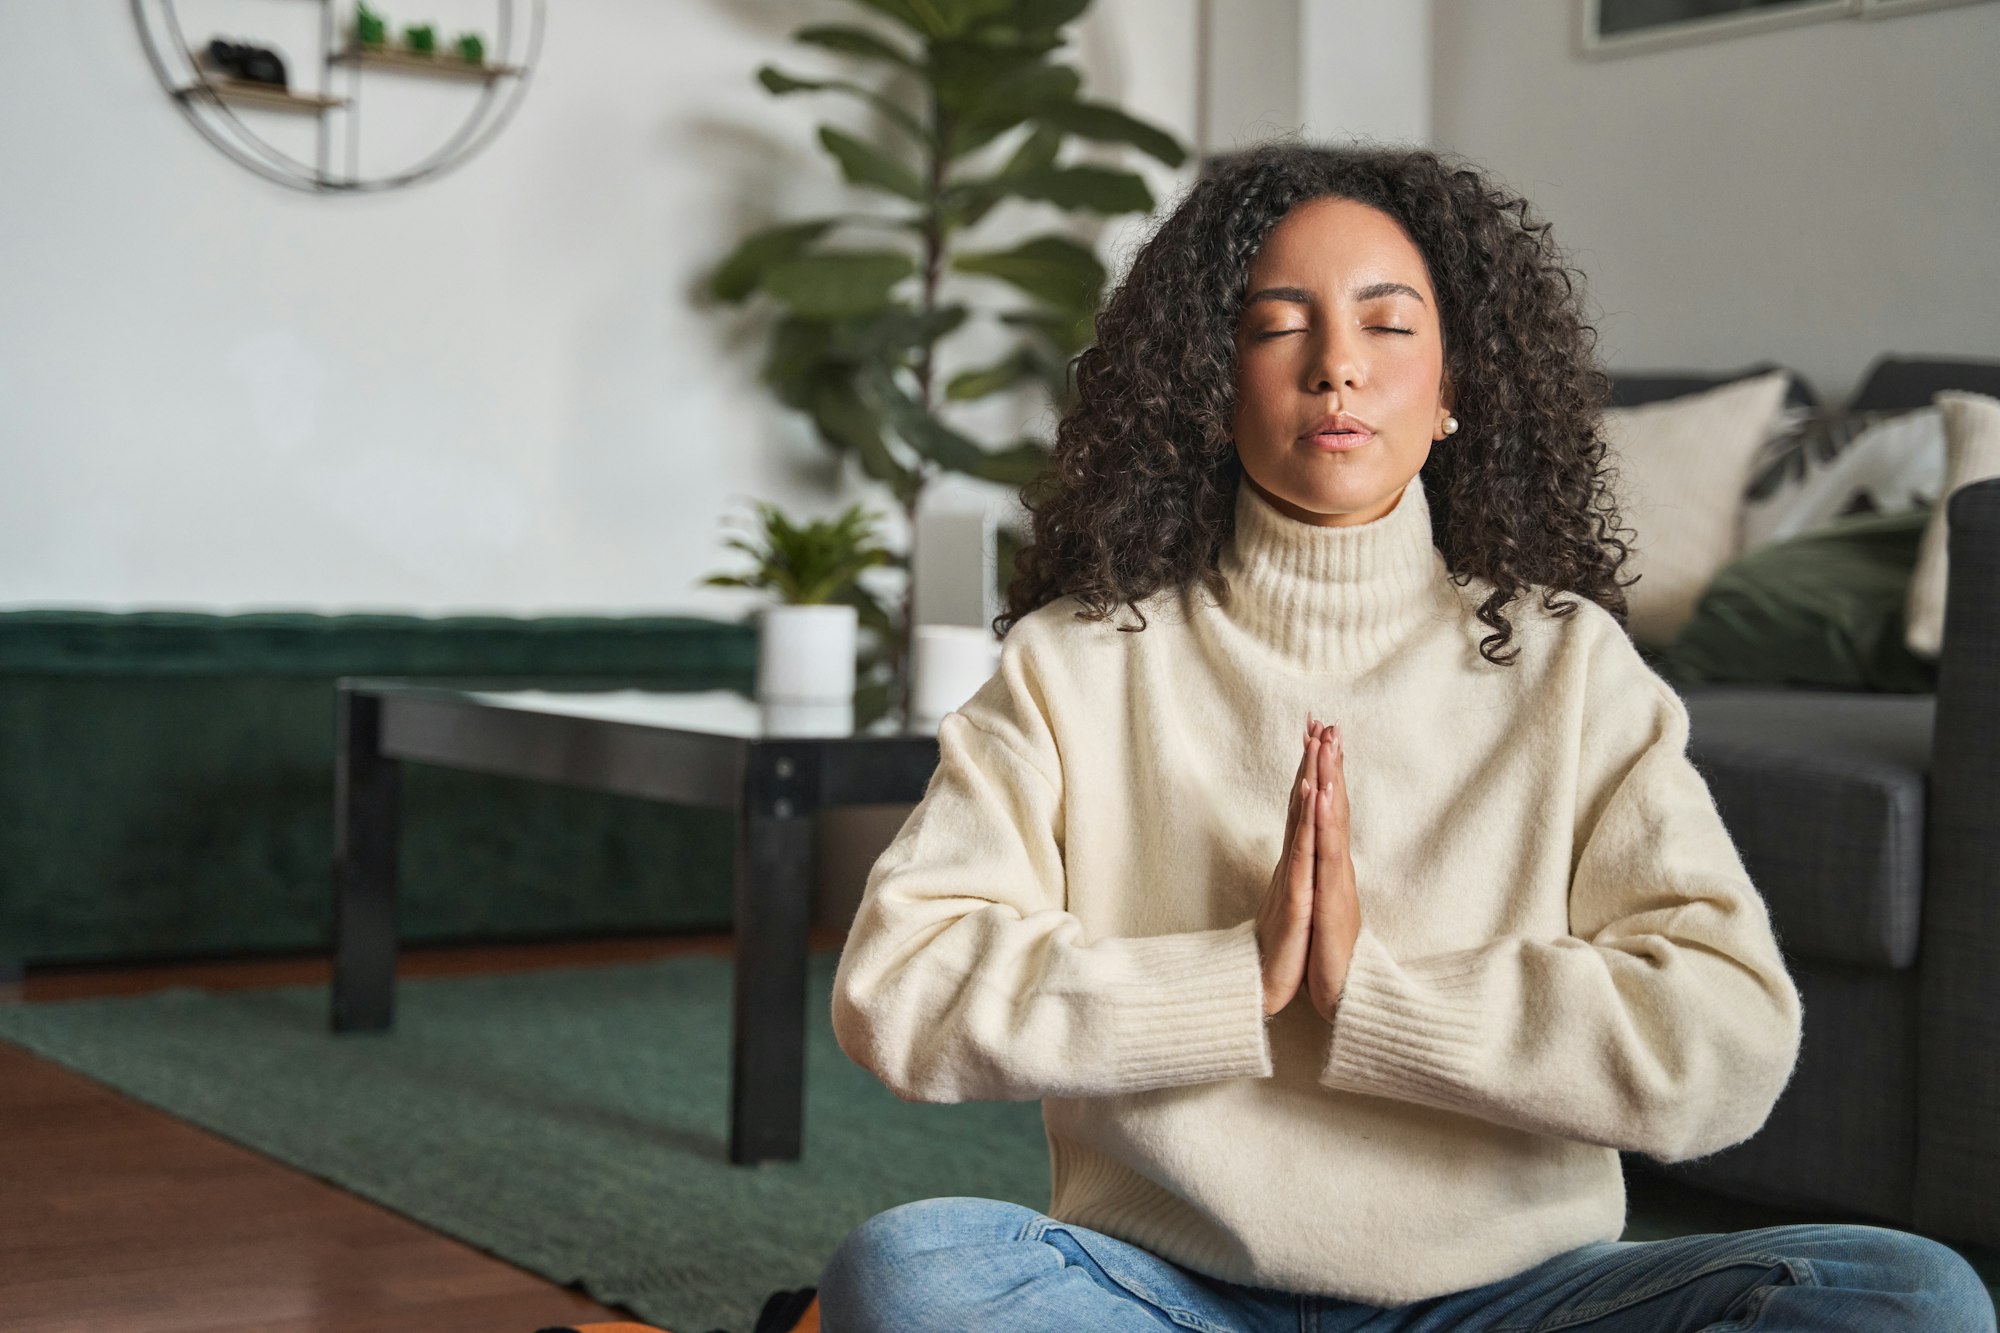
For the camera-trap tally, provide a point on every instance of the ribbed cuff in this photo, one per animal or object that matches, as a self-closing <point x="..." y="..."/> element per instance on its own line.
<point x="1402" y="1032"/>
<point x="1196" y="1007"/>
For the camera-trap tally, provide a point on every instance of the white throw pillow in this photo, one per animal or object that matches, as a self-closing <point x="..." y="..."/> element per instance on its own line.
<point x="1826" y="464"/>
<point x="1680" y="468"/>
<point x="1971" y="453"/>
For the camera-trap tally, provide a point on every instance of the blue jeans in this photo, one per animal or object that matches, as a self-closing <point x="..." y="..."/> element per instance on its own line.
<point x="960" y="1264"/>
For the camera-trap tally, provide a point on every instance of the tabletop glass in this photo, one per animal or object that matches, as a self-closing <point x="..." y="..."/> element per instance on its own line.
<point x="716" y="712"/>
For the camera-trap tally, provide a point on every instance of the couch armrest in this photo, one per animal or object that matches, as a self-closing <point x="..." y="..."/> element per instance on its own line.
<point x="1958" y="1078"/>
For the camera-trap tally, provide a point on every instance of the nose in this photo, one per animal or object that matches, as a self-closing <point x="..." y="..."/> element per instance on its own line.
<point x="1336" y="362"/>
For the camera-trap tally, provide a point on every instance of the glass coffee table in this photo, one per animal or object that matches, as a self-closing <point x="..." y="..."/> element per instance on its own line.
<point x="715" y="749"/>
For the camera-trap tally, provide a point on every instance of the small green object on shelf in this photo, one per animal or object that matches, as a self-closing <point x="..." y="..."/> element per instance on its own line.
<point x="472" y="48"/>
<point x="369" y="27"/>
<point x="421" y="38"/>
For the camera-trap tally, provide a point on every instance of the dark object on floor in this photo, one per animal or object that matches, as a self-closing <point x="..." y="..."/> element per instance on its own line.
<point x="784" y="1312"/>
<point x="256" y="64"/>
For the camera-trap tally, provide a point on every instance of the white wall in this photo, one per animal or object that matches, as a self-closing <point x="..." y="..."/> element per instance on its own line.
<point x="1333" y="69"/>
<point x="1366" y="70"/>
<point x="1815" y="194"/>
<point x="493" y="392"/>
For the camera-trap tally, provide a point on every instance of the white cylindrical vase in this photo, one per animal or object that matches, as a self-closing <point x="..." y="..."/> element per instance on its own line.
<point x="805" y="654"/>
<point x="948" y="665"/>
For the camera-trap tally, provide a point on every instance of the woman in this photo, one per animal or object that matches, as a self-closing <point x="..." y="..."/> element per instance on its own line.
<point x="1336" y="449"/>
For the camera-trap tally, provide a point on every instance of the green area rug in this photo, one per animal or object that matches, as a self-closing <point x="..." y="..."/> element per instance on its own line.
<point x="575" y="1122"/>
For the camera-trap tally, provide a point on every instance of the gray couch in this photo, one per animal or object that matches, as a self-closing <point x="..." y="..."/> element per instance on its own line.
<point x="1871" y="824"/>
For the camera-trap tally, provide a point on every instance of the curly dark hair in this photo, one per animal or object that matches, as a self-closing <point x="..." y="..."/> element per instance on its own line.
<point x="1140" y="491"/>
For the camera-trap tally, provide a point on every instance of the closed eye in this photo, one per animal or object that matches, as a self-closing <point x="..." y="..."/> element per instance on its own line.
<point x="1383" y="328"/>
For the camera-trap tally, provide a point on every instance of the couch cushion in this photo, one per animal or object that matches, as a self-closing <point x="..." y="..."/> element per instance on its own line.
<point x="1824" y="794"/>
<point x="1909" y="382"/>
<point x="1823" y="609"/>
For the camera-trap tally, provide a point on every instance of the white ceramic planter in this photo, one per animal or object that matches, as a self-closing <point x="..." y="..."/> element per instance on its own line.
<point x="950" y="663"/>
<point x="805" y="654"/>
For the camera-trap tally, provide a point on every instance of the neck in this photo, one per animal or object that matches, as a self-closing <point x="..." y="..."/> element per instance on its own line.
<point x="1332" y="598"/>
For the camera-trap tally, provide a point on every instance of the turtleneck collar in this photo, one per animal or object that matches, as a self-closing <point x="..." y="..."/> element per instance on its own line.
<point x="1333" y="598"/>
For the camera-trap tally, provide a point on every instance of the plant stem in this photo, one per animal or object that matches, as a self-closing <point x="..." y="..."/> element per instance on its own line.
<point x="902" y="691"/>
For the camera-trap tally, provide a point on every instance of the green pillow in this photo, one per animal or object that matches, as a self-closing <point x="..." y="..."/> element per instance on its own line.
<point x="1823" y="609"/>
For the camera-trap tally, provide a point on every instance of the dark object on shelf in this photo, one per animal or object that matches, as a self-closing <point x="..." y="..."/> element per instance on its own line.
<point x="256" y="64"/>
<point x="420" y="38"/>
<point x="472" y="48"/>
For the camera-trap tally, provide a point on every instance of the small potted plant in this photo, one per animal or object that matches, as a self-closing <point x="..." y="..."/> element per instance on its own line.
<point x="370" y="28"/>
<point x="806" y="641"/>
<point x="421" y="39"/>
<point x="471" y="48"/>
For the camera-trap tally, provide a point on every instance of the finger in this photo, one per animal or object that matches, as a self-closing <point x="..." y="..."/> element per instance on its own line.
<point x="1308" y="765"/>
<point x="1305" y="854"/>
<point x="1328" y="832"/>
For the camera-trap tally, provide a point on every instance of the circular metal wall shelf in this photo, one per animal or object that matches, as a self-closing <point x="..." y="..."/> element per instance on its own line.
<point x="211" y="100"/>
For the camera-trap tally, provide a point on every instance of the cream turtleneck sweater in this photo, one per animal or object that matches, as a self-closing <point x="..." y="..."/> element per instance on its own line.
<point x="1561" y="955"/>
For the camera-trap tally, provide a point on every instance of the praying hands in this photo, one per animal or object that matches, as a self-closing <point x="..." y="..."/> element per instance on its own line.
<point x="1310" y="915"/>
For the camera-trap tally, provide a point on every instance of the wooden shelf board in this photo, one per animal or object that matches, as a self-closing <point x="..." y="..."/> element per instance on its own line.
<point x="443" y="63"/>
<point x="260" y="94"/>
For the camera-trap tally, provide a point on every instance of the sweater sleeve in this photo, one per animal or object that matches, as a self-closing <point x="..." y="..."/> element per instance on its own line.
<point x="1665" y="1023"/>
<point x="966" y="978"/>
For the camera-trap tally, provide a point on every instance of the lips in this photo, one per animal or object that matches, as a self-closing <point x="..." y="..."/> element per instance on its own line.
<point x="1343" y="427"/>
<point x="1338" y="430"/>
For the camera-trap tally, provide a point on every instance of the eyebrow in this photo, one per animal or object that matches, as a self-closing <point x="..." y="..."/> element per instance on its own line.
<point x="1301" y="296"/>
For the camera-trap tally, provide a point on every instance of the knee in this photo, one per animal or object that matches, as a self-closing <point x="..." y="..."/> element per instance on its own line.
<point x="1946" y="1283"/>
<point x="877" y="1276"/>
<point x="1937" y="1278"/>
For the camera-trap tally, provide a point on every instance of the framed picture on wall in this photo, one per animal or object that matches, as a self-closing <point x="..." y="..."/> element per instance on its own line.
<point x="1628" y="27"/>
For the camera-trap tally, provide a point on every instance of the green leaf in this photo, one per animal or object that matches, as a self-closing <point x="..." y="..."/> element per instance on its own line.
<point x="781" y="83"/>
<point x="1056" y="269"/>
<point x="865" y="164"/>
<point x="1046" y="15"/>
<point x="1016" y="465"/>
<point x="803" y="349"/>
<point x="797" y="350"/>
<point x="1002" y="374"/>
<point x="811" y="563"/>
<point x="922" y="431"/>
<point x="962" y="72"/>
<point x="843" y="416"/>
<point x="738" y="275"/>
<point x="1067" y="333"/>
<point x="833" y="283"/>
<point x="854" y="41"/>
<point x="1036" y="150"/>
<point x="1107" y="124"/>
<point x="1098" y="189"/>
<point x="938" y="18"/>
<point x="1014" y="96"/>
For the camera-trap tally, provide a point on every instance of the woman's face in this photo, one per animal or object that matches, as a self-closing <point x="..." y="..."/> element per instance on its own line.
<point x="1339" y="317"/>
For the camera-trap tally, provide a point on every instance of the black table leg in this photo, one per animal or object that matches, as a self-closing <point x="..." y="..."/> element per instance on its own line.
<point x="773" y="911"/>
<point x="364" y="869"/>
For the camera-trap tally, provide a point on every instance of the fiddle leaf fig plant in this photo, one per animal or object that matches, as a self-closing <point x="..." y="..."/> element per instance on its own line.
<point x="975" y="107"/>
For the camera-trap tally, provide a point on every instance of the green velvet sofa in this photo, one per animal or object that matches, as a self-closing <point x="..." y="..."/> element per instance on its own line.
<point x="167" y="784"/>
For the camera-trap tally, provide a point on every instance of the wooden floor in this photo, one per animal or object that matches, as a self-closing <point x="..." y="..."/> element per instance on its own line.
<point x="118" y="1218"/>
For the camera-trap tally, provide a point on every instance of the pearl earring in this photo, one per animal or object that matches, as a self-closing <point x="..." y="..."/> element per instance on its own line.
<point x="1450" y="425"/>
